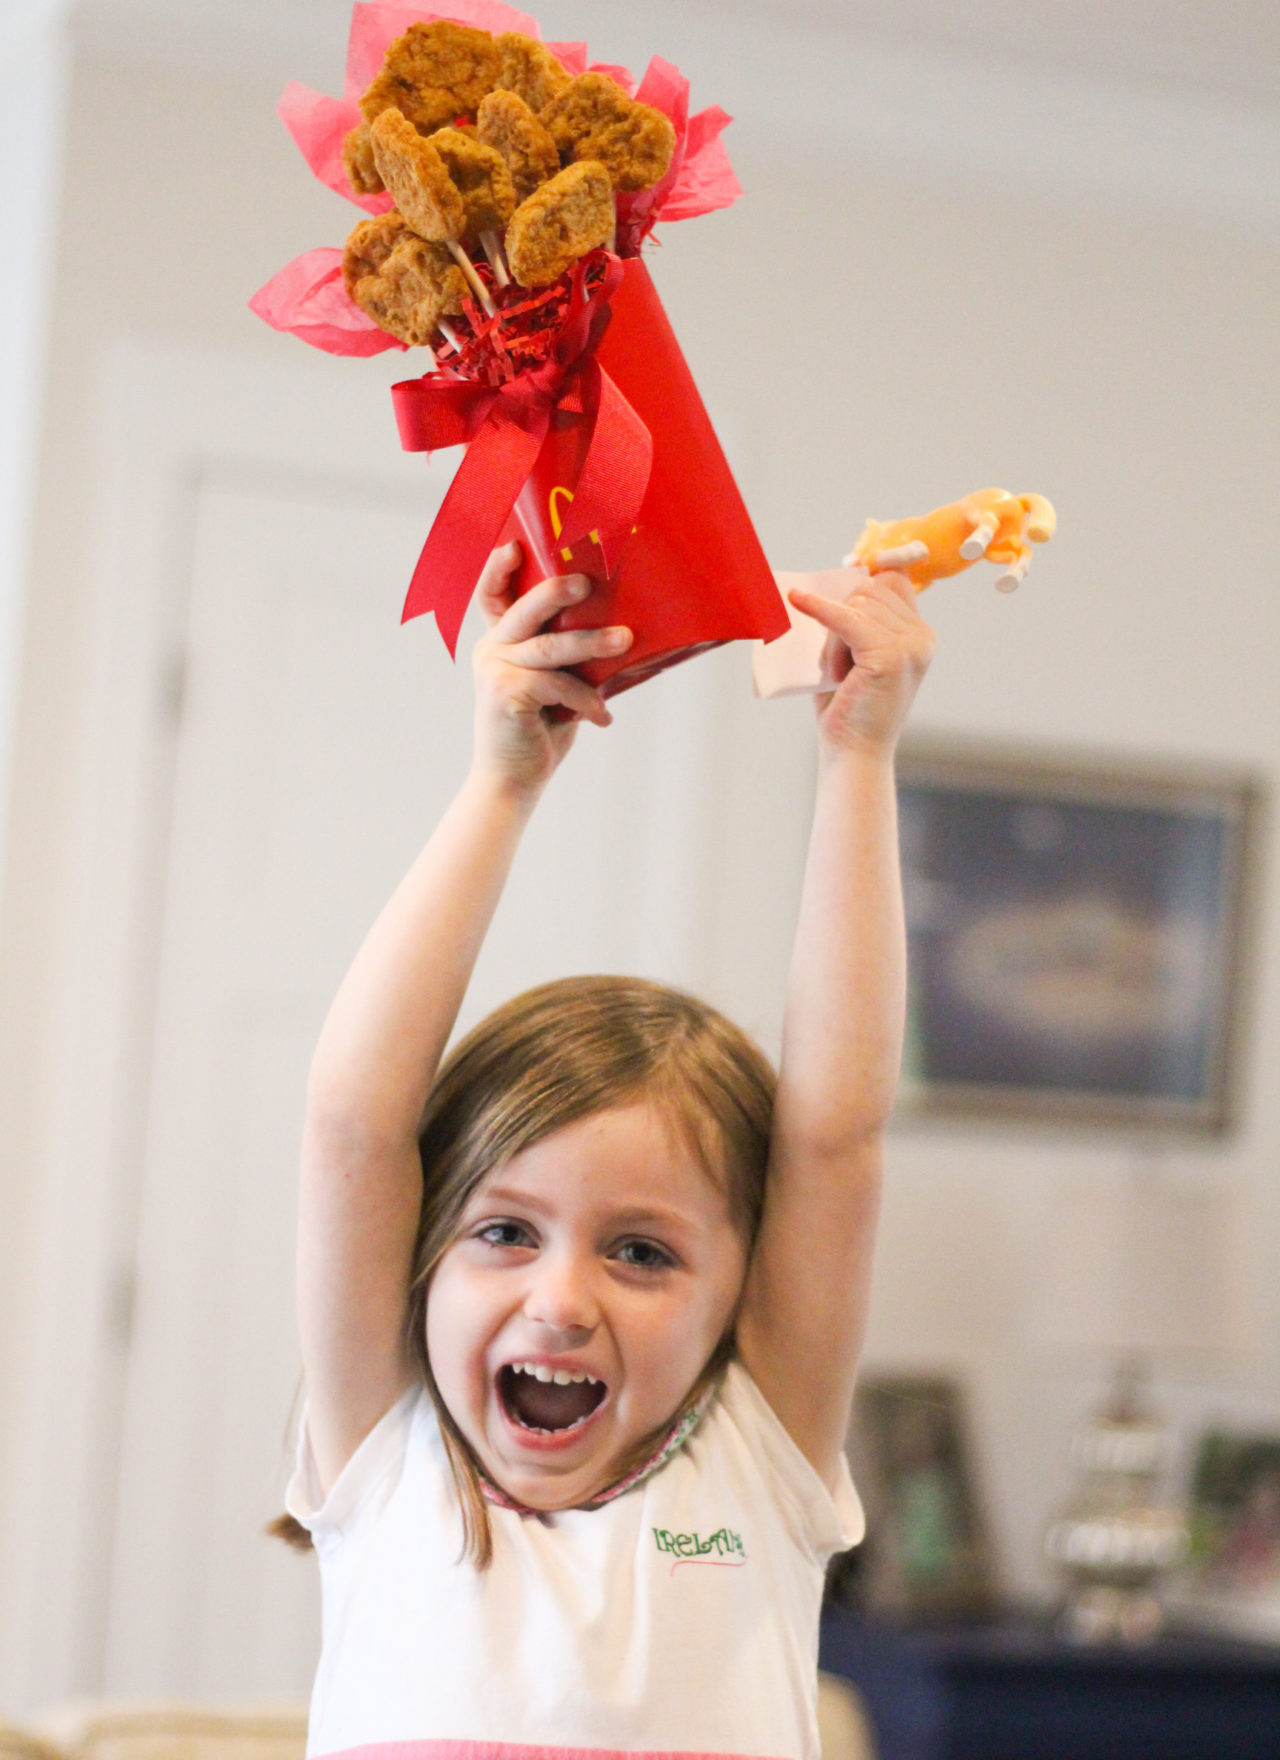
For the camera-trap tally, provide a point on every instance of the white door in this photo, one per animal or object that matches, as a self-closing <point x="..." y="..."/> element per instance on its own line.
<point x="318" y="743"/>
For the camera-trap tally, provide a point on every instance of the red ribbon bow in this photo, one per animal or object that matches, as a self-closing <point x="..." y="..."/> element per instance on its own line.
<point x="504" y="429"/>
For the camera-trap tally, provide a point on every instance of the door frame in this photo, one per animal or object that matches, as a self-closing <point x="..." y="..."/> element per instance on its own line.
<point x="166" y="419"/>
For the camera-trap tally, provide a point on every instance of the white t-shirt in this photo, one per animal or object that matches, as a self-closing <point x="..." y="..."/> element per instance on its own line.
<point x="680" y="1618"/>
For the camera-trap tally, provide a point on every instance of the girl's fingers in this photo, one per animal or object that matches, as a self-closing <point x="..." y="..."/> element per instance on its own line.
<point x="525" y="616"/>
<point x="495" y="589"/>
<point x="527" y="663"/>
<point x="553" y="649"/>
<point x="902" y="587"/>
<point x="877" y="631"/>
<point x="583" y="699"/>
<point x="839" y="620"/>
<point x="891" y="589"/>
<point x="549" y="690"/>
<point x="837" y="658"/>
<point x="885" y="601"/>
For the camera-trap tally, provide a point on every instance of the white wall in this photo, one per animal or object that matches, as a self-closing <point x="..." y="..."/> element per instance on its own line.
<point x="922" y="335"/>
<point x="915" y="298"/>
<point x="33" y="68"/>
<point x="33" y="55"/>
<point x="129" y="258"/>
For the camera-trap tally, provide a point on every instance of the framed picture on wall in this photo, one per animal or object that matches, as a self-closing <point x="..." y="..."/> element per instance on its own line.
<point x="927" y="1554"/>
<point x="1078" y="938"/>
<point x="1232" y="1579"/>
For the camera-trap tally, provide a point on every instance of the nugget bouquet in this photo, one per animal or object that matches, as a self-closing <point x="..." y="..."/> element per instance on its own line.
<point x="509" y="188"/>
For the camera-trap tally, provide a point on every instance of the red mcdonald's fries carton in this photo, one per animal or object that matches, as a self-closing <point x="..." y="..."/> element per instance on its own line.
<point x="692" y="574"/>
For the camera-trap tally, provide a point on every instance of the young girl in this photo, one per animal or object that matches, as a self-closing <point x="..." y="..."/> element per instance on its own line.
<point x="581" y="1309"/>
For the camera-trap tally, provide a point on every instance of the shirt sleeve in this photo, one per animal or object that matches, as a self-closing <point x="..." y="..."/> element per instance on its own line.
<point x="825" y="1519"/>
<point x="364" y="1484"/>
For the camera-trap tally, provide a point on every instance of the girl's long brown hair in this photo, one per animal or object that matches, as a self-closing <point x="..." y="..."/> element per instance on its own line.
<point x="548" y="1058"/>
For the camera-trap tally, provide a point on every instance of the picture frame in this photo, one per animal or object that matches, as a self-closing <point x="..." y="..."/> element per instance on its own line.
<point x="1231" y="1583"/>
<point x="927" y="1554"/>
<point x="1078" y="928"/>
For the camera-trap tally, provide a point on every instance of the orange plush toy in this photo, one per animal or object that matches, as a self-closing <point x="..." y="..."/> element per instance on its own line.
<point x="990" y="523"/>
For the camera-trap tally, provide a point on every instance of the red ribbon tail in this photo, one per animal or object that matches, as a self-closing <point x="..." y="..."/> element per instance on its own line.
<point x="615" y="473"/>
<point x="470" y="521"/>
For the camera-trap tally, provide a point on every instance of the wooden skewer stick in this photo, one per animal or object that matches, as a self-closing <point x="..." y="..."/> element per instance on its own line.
<point x="901" y="556"/>
<point x="1013" y="577"/>
<point x="450" y="335"/>
<point x="492" y="243"/>
<point x="975" y="545"/>
<point x="468" y="268"/>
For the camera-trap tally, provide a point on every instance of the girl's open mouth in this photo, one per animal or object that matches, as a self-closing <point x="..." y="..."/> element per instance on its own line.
<point x="549" y="1402"/>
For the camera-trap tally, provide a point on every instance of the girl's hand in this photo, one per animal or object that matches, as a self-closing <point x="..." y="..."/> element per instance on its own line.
<point x="878" y="648"/>
<point x="521" y="677"/>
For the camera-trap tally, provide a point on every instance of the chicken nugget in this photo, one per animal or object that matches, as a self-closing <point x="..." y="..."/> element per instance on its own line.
<point x="593" y="118"/>
<point x="368" y="246"/>
<point x="417" y="178"/>
<point x="560" y="222"/>
<point x="434" y="73"/>
<point x="405" y="284"/>
<point x="357" y="157"/>
<point x="506" y="123"/>
<point x="479" y="174"/>
<point x="529" y="69"/>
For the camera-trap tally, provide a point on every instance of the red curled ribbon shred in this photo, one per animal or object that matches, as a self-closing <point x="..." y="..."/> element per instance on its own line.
<point x="503" y="427"/>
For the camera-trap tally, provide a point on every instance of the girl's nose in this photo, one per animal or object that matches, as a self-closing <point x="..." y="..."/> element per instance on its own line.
<point x="561" y="1296"/>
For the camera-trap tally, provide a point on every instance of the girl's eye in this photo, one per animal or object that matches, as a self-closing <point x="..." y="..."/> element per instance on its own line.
<point x="645" y="1256"/>
<point x="504" y="1234"/>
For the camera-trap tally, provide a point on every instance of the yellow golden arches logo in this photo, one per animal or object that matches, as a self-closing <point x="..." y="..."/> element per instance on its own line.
<point x="557" y="524"/>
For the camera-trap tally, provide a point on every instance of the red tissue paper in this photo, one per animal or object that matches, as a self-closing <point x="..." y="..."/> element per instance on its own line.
<point x="586" y="437"/>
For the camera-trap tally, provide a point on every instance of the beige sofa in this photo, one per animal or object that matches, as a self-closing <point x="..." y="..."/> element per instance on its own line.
<point x="109" y="1730"/>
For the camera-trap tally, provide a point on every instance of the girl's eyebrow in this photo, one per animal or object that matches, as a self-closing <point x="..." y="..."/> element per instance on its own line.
<point x="513" y="1197"/>
<point x="499" y="1195"/>
<point x="639" y="1217"/>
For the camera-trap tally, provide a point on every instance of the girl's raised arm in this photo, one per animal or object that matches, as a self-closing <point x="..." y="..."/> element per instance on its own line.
<point x="386" y="1031"/>
<point x="804" y="1308"/>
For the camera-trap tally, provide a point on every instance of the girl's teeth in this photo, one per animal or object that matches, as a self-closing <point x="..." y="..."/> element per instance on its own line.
<point x="561" y="1377"/>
